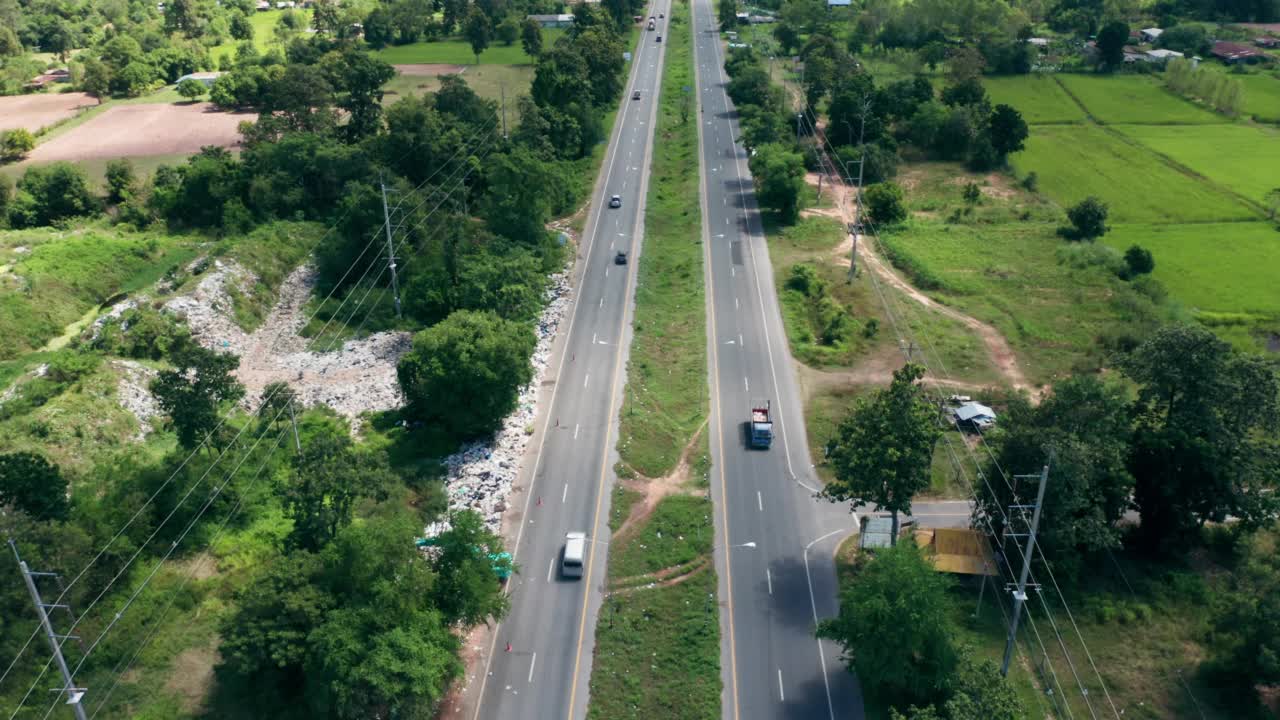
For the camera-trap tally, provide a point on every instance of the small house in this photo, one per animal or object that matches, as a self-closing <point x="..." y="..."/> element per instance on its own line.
<point x="552" y="21"/>
<point x="1041" y="43"/>
<point x="263" y="5"/>
<point x="762" y="19"/>
<point x="974" y="416"/>
<point x="1150" y="35"/>
<point x="204" y="78"/>
<point x="1267" y="42"/>
<point x="57" y="75"/>
<point x="1134" y="54"/>
<point x="1162" y="56"/>
<point x="1235" y="53"/>
<point x="743" y="18"/>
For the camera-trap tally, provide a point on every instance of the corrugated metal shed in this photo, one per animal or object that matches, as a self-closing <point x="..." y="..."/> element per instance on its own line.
<point x="877" y="532"/>
<point x="971" y="410"/>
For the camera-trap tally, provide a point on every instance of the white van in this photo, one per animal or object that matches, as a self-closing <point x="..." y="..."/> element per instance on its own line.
<point x="575" y="547"/>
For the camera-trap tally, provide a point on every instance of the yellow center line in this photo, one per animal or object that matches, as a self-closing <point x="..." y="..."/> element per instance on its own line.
<point x="613" y="392"/>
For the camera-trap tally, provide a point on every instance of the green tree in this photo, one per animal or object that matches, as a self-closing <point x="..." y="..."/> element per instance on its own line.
<point x="48" y="193"/>
<point x="31" y="484"/>
<point x="517" y="204"/>
<point x="1085" y="425"/>
<point x="779" y="179"/>
<point x="979" y="692"/>
<point x="466" y="371"/>
<point x="882" y="453"/>
<point x="477" y="31"/>
<point x="266" y="637"/>
<point x="1201" y="450"/>
<point x="193" y="390"/>
<point x="531" y="37"/>
<point x="1088" y="220"/>
<point x="15" y="144"/>
<point x="884" y="203"/>
<point x="727" y="14"/>
<point x="121" y="180"/>
<point x="508" y="31"/>
<point x="240" y="27"/>
<point x="329" y="477"/>
<point x="1111" y="41"/>
<point x="1246" y="621"/>
<point x="1008" y="131"/>
<point x="190" y="89"/>
<point x="895" y="626"/>
<point x="1138" y="261"/>
<point x="467" y="591"/>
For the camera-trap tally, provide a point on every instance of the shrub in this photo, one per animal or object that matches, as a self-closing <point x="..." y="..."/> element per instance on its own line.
<point x="884" y="203"/>
<point x="1031" y="182"/>
<point x="1088" y="220"/>
<point x="15" y="144"/>
<point x="1138" y="261"/>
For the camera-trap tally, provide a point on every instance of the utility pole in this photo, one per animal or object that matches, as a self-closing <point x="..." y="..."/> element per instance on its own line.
<point x="391" y="250"/>
<point x="74" y="694"/>
<point x="1020" y="594"/>
<point x="502" y="90"/>
<point x="856" y="229"/>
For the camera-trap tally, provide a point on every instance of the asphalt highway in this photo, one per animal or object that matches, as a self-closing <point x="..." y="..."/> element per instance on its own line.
<point x="546" y="670"/>
<point x="771" y="594"/>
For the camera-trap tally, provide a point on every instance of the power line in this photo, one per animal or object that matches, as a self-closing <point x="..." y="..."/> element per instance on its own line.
<point x="211" y="434"/>
<point x="825" y="143"/>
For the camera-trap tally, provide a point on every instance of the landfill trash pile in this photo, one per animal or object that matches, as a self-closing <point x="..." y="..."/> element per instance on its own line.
<point x="133" y="392"/>
<point x="12" y="391"/>
<point x="358" y="377"/>
<point x="479" y="476"/>
<point x="112" y="313"/>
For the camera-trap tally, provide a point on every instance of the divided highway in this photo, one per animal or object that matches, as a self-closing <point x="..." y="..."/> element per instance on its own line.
<point x="771" y="593"/>
<point x="545" y="671"/>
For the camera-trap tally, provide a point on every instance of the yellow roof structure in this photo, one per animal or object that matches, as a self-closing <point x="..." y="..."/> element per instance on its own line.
<point x="958" y="550"/>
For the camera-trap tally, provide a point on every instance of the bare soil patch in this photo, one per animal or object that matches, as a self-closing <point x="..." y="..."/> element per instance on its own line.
<point x="193" y="675"/>
<point x="429" y="69"/>
<point x="33" y="112"/>
<point x="141" y="130"/>
<point x="654" y="489"/>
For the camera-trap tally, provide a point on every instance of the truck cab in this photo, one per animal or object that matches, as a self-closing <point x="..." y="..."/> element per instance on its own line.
<point x="652" y="23"/>
<point x="760" y="429"/>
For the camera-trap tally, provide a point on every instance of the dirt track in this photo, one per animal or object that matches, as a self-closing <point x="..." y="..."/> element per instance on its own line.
<point x="141" y="130"/>
<point x="36" y="111"/>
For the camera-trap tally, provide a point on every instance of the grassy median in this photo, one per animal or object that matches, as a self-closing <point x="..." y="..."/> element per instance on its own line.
<point x="658" y="638"/>
<point x="666" y="397"/>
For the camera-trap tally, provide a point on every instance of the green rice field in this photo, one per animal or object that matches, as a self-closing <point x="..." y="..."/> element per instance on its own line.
<point x="1134" y="99"/>
<point x="1240" y="157"/>
<point x="1214" y="267"/>
<point x="1039" y="98"/>
<point x="1075" y="161"/>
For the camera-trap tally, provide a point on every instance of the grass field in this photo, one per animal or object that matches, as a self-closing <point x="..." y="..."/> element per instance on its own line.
<point x="1073" y="162"/>
<point x="1217" y="267"/>
<point x="1040" y="98"/>
<point x="1243" y="158"/>
<point x="488" y="81"/>
<point x="1261" y="96"/>
<point x="264" y="37"/>
<point x="666" y="395"/>
<point x="457" y="51"/>
<point x="1138" y="99"/>
<point x="64" y="274"/>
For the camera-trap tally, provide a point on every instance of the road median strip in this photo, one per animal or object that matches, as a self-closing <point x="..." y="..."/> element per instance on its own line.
<point x="657" y="639"/>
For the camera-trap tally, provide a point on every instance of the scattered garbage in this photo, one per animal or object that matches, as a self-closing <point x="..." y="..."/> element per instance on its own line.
<point x="479" y="476"/>
<point x="133" y="392"/>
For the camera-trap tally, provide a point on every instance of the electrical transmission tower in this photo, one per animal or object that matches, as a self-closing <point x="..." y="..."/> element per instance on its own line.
<point x="74" y="694"/>
<point x="1020" y="590"/>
